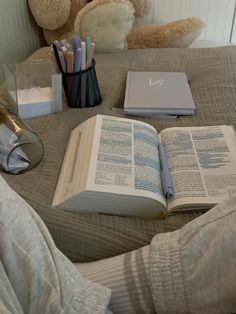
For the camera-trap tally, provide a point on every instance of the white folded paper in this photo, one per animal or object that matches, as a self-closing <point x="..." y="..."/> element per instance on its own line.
<point x="12" y="157"/>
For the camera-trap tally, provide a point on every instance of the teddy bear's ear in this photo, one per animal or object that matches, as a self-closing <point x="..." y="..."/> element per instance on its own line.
<point x="50" y="14"/>
<point x="142" y="7"/>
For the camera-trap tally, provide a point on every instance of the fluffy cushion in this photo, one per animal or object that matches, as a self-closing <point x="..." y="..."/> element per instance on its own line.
<point x="175" y="34"/>
<point x="108" y="25"/>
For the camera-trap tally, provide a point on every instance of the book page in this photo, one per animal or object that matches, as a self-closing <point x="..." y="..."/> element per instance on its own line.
<point x="202" y="163"/>
<point x="125" y="159"/>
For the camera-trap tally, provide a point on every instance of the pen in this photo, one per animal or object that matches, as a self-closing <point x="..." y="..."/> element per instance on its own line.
<point x="166" y="179"/>
<point x="56" y="53"/>
<point x="70" y="59"/>
<point x="83" y="75"/>
<point x="75" y="43"/>
<point x="63" y="42"/>
<point x="90" y="55"/>
<point x="57" y="44"/>
<point x="78" y="59"/>
<point x="68" y="47"/>
<point x="64" y="51"/>
<point x="83" y="62"/>
<point x="88" y="44"/>
<point x="76" y="79"/>
<point x="62" y="61"/>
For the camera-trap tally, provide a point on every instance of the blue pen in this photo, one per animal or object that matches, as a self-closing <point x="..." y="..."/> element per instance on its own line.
<point x="166" y="179"/>
<point x="76" y="79"/>
<point x="75" y="43"/>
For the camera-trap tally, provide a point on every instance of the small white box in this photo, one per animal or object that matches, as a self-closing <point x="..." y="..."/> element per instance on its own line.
<point x="33" y="102"/>
<point x="35" y="87"/>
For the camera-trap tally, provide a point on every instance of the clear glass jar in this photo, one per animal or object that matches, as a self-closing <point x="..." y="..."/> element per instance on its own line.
<point x="20" y="148"/>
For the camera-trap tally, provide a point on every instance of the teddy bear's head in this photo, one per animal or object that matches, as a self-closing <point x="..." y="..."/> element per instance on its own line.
<point x="57" y="17"/>
<point x="109" y="23"/>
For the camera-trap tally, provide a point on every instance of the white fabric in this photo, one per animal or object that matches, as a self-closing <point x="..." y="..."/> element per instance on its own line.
<point x="193" y="270"/>
<point x="127" y="275"/>
<point x="35" y="277"/>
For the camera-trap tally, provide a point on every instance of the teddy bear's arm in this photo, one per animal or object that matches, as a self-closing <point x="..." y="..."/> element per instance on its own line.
<point x="50" y="14"/>
<point x="180" y="33"/>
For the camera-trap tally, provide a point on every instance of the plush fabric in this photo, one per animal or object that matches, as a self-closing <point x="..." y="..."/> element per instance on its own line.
<point x="142" y="8"/>
<point x="212" y="76"/>
<point x="108" y="23"/>
<point x="57" y="18"/>
<point x="35" y="276"/>
<point x="193" y="269"/>
<point x="93" y="21"/>
<point x="58" y="15"/>
<point x="176" y="34"/>
<point x="67" y="27"/>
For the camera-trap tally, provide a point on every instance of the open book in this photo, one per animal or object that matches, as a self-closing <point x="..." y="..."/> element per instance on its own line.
<point x="112" y="166"/>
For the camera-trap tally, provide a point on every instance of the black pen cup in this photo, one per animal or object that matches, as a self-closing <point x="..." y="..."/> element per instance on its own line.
<point x="81" y="88"/>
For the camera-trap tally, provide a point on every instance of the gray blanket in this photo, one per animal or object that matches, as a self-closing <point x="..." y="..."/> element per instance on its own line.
<point x="85" y="237"/>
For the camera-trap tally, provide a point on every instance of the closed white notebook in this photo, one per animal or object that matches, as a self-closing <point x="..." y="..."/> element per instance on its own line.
<point x="158" y="93"/>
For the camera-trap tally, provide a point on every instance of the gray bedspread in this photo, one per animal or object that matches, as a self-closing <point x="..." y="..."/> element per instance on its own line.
<point x="86" y="237"/>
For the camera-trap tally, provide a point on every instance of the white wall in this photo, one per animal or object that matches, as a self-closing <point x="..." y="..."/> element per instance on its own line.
<point x="217" y="14"/>
<point x="18" y="37"/>
<point x="233" y="40"/>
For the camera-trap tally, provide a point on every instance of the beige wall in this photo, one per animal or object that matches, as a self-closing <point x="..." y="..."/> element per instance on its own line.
<point x="18" y="37"/>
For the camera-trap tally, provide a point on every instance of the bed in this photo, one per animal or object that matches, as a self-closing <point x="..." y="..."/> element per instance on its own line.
<point x="86" y="237"/>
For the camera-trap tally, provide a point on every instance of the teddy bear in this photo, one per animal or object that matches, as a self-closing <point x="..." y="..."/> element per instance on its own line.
<point x="110" y="24"/>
